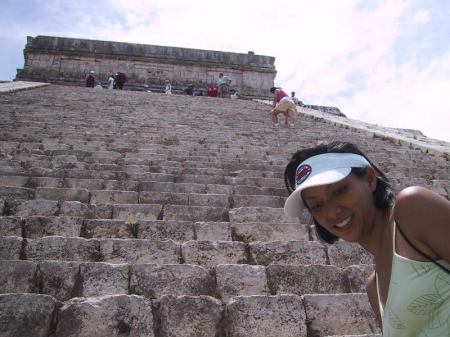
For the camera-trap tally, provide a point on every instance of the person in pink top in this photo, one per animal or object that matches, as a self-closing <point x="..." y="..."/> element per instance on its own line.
<point x="282" y="103"/>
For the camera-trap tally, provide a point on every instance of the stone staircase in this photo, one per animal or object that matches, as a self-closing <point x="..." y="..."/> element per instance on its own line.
<point x="140" y="214"/>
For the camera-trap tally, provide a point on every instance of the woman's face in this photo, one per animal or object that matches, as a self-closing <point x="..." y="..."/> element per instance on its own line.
<point x="346" y="207"/>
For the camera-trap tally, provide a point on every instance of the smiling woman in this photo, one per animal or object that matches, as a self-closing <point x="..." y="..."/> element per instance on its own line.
<point x="351" y="199"/>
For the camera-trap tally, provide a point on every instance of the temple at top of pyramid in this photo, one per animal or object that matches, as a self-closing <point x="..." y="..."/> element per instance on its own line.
<point x="61" y="60"/>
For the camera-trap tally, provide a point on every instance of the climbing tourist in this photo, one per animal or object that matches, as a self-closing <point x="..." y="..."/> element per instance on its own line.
<point x="212" y="90"/>
<point x="224" y="85"/>
<point x="111" y="82"/>
<point x="295" y="99"/>
<point x="189" y="90"/>
<point x="121" y="78"/>
<point x="90" y="79"/>
<point x="349" y="198"/>
<point x="168" y="88"/>
<point x="282" y="103"/>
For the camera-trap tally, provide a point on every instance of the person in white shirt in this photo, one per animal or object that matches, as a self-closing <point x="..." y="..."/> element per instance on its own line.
<point x="111" y="82"/>
<point x="168" y="89"/>
<point x="224" y="85"/>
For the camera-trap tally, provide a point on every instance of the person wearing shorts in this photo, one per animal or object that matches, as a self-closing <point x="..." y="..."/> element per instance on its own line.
<point x="224" y="86"/>
<point x="282" y="103"/>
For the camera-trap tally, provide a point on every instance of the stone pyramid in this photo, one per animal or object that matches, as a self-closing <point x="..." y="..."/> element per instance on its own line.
<point x="138" y="214"/>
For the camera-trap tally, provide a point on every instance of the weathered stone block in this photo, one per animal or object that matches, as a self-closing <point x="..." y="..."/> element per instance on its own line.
<point x="26" y="315"/>
<point x="209" y="254"/>
<point x="119" y="197"/>
<point x="212" y="231"/>
<point x="78" y="209"/>
<point x="2" y="207"/>
<point x="258" y="201"/>
<point x="99" y="279"/>
<point x="36" y="207"/>
<point x="291" y="252"/>
<point x="13" y="181"/>
<point x="140" y="251"/>
<point x="240" y="280"/>
<point x="61" y="248"/>
<point x="339" y="314"/>
<point x="260" y="214"/>
<point x="37" y="227"/>
<point x="195" y="213"/>
<point x="343" y="254"/>
<point x="214" y="200"/>
<point x="180" y="231"/>
<point x="154" y="281"/>
<point x="62" y="194"/>
<point x="144" y="212"/>
<point x="114" y="315"/>
<point x="268" y="316"/>
<point x="163" y="198"/>
<point x="357" y="276"/>
<point x="59" y="279"/>
<point x="18" y="277"/>
<point x="265" y="232"/>
<point x="10" y="247"/>
<point x="219" y="189"/>
<point x="10" y="226"/>
<point x="189" y="316"/>
<point x="308" y="279"/>
<point x="13" y="193"/>
<point x="44" y="182"/>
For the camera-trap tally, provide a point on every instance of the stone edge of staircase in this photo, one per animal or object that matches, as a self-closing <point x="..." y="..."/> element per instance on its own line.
<point x="427" y="145"/>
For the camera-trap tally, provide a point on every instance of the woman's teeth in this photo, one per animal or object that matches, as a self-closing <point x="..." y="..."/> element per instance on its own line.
<point x="343" y="223"/>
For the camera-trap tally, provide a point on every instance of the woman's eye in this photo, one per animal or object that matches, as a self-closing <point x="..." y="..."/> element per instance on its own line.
<point x="340" y="190"/>
<point x="316" y="207"/>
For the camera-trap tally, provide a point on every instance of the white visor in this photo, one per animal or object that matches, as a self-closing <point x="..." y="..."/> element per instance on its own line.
<point x="322" y="169"/>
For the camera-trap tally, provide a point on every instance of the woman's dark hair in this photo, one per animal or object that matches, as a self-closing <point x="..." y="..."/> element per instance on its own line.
<point x="272" y="90"/>
<point x="383" y="195"/>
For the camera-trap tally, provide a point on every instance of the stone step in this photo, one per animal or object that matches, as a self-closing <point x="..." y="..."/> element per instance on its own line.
<point x="66" y="280"/>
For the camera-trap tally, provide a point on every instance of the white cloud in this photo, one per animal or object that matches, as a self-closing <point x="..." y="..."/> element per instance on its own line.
<point x="422" y="17"/>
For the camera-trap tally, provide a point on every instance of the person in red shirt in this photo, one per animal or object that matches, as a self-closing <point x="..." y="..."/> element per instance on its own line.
<point x="282" y="103"/>
<point x="212" y="91"/>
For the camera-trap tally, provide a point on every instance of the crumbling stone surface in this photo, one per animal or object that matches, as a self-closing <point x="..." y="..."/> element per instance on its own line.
<point x="10" y="226"/>
<point x="240" y="280"/>
<point x="26" y="315"/>
<point x="210" y="253"/>
<point x="36" y="227"/>
<point x="189" y="316"/>
<point x="343" y="254"/>
<point x="269" y="316"/>
<point x="10" y="248"/>
<point x="290" y="252"/>
<point x="114" y="315"/>
<point x="307" y="279"/>
<point x="155" y="281"/>
<point x="339" y="314"/>
<point x="59" y="279"/>
<point x="357" y="276"/>
<point x="140" y="251"/>
<point x="97" y="279"/>
<point x="63" y="249"/>
<point x="37" y="207"/>
<point x="18" y="277"/>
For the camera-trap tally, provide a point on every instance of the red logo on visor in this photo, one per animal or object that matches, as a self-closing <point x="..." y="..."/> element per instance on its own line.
<point x="302" y="174"/>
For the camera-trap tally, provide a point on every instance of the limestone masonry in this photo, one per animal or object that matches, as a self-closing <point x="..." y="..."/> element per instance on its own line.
<point x="66" y="61"/>
<point x="120" y="219"/>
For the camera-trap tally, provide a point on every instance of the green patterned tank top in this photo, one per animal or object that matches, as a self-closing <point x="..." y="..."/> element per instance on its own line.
<point x="418" y="302"/>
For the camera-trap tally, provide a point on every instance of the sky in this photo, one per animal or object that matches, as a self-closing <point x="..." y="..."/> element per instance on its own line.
<point x="385" y="62"/>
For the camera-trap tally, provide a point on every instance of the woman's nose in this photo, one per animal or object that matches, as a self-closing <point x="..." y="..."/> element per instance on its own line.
<point x="333" y="211"/>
